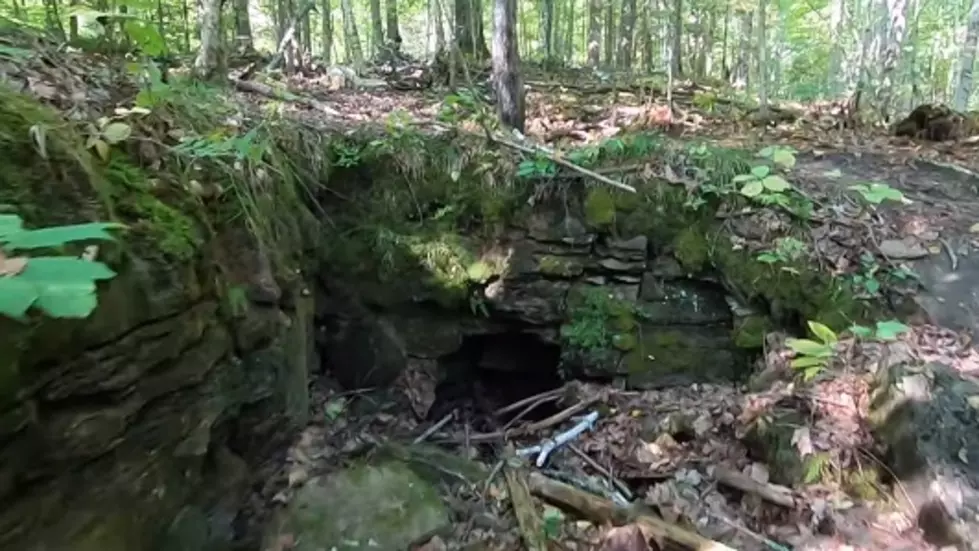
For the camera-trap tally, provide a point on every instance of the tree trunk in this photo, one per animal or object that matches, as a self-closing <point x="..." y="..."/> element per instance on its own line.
<point x="569" y="32"/>
<point x="627" y="26"/>
<point x="762" y="58"/>
<point x="547" y="28"/>
<point x="506" y="65"/>
<point x="394" y="35"/>
<point x="835" y="76"/>
<point x="894" y="28"/>
<point x="741" y="76"/>
<point x="351" y="40"/>
<point x="967" y="59"/>
<point x="377" y="26"/>
<point x="326" y="23"/>
<point x="610" y="35"/>
<point x="676" y="58"/>
<point x="470" y="39"/>
<point x="243" y="27"/>
<point x="646" y="35"/>
<point x="207" y="62"/>
<point x="594" y="32"/>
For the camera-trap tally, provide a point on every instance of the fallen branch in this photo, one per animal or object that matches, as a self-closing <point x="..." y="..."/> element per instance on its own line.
<point x="531" y="526"/>
<point x="555" y="419"/>
<point x="535" y="400"/>
<point x="269" y="92"/>
<point x="601" y="511"/>
<point x="779" y="495"/>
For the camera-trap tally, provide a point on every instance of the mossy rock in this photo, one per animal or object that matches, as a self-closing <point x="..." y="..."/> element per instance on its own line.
<point x="770" y="438"/>
<point x="691" y="249"/>
<point x="385" y="507"/>
<point x="669" y="356"/>
<point x="559" y="266"/>
<point x="599" y="208"/>
<point x="750" y="331"/>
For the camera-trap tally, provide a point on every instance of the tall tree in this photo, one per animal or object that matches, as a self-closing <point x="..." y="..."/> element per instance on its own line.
<point x="762" y="57"/>
<point x="326" y="14"/>
<point x="676" y="58"/>
<point x="594" y="32"/>
<point x="627" y="22"/>
<point x="547" y="28"/>
<point x="394" y="35"/>
<point x="469" y="35"/>
<point x="506" y="65"/>
<point x="243" y="27"/>
<point x="351" y="39"/>
<point x="967" y="60"/>
<point x="377" y="26"/>
<point x="206" y="63"/>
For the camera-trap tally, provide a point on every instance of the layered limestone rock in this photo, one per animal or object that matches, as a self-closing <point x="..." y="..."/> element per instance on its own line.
<point x="617" y="306"/>
<point x="135" y="429"/>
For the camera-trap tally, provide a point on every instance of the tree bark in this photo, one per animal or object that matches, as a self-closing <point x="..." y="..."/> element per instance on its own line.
<point x="627" y="29"/>
<point x="594" y="32"/>
<point x="351" y="41"/>
<point x="470" y="39"/>
<point x="676" y="59"/>
<point x="377" y="26"/>
<point x="394" y="35"/>
<point x="327" y="30"/>
<point x="506" y="65"/>
<point x="207" y="61"/>
<point x="967" y="60"/>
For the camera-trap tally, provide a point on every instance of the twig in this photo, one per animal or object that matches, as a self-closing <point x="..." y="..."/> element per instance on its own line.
<point x="555" y="419"/>
<point x="757" y="537"/>
<point x="779" y="495"/>
<point x="537" y="398"/>
<point x="951" y="254"/>
<point x="619" y="485"/>
<point x="432" y="429"/>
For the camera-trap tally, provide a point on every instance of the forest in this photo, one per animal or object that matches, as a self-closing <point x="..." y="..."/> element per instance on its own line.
<point x="632" y="275"/>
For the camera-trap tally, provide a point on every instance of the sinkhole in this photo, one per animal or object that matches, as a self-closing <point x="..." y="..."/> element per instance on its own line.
<point x="490" y="371"/>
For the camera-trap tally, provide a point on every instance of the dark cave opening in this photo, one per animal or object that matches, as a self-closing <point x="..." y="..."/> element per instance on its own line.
<point x="493" y="370"/>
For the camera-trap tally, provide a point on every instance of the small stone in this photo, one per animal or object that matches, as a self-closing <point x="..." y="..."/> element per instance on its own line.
<point x="638" y="244"/>
<point x="897" y="249"/>
<point x="615" y="265"/>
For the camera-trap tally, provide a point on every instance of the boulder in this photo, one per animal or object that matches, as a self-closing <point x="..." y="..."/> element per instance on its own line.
<point x="386" y="507"/>
<point x="925" y="419"/>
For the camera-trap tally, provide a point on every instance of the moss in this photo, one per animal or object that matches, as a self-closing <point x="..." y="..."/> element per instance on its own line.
<point x="599" y="208"/>
<point x="559" y="266"/>
<point x="862" y="483"/>
<point x="624" y="341"/>
<point x="691" y="249"/>
<point x="811" y="294"/>
<point x="750" y="331"/>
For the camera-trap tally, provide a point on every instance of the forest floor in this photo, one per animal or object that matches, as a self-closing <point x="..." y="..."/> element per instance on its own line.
<point x="683" y="480"/>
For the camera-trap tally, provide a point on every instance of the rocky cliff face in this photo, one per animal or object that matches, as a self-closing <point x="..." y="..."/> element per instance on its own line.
<point x="137" y="429"/>
<point x="618" y="307"/>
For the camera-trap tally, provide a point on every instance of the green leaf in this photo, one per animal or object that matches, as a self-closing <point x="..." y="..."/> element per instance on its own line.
<point x="10" y="224"/>
<point x="761" y="171"/>
<point x="775" y="183"/>
<point x="767" y="152"/>
<point x="16" y="296"/>
<point x="59" y="235"/>
<point x="68" y="300"/>
<point x="861" y="331"/>
<point x="809" y="347"/>
<point x="814" y="468"/>
<point x="64" y="269"/>
<point x="889" y="330"/>
<point x="833" y="174"/>
<point x="805" y="362"/>
<point x="116" y="132"/>
<point x="744" y="178"/>
<point x="753" y="189"/>
<point x="784" y="157"/>
<point x="810" y="373"/>
<point x="822" y="332"/>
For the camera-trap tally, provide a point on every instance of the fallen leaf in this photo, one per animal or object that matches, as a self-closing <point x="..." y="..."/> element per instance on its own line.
<point x="12" y="266"/>
<point x="434" y="544"/>
<point x="625" y="538"/>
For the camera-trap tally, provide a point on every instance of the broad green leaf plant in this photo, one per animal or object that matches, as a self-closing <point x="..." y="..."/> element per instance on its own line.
<point x="59" y="286"/>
